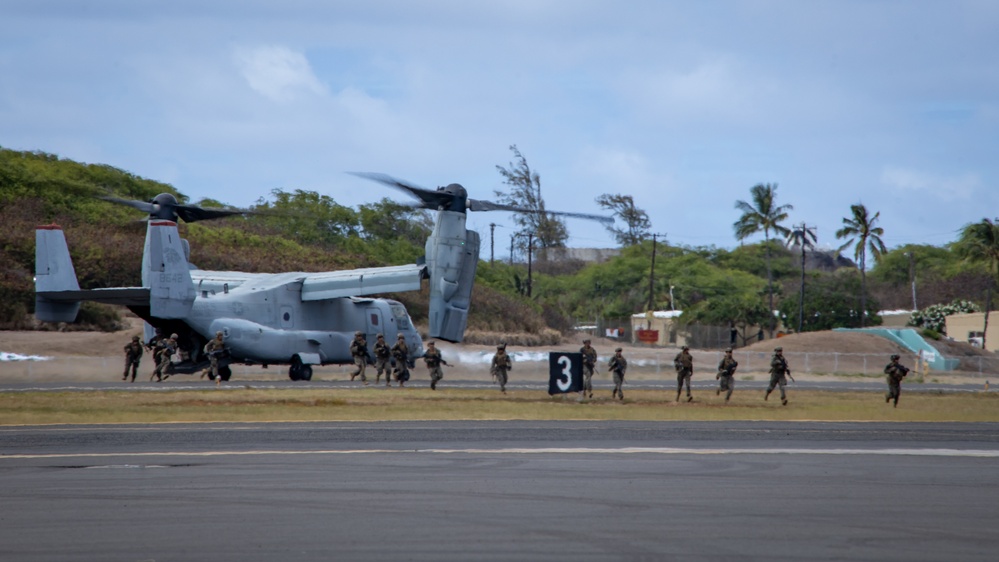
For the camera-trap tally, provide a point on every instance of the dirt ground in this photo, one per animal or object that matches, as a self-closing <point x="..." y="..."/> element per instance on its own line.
<point x="99" y="356"/>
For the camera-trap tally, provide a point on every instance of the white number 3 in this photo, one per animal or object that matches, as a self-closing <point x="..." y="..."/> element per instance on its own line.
<point x="566" y="364"/>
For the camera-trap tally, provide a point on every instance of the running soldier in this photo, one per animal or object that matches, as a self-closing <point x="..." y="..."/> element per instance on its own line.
<point x="896" y="372"/>
<point x="133" y="354"/>
<point x="618" y="365"/>
<point x="589" y="363"/>
<point x="214" y="350"/>
<point x="726" y="374"/>
<point x="383" y="356"/>
<point x="500" y="366"/>
<point x="400" y="352"/>
<point x="432" y="357"/>
<point x="778" y="369"/>
<point x="359" y="351"/>
<point x="684" y="364"/>
<point x="164" y="354"/>
<point x="154" y="345"/>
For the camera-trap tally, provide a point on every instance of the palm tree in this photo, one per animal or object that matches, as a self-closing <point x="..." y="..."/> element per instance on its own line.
<point x="762" y="215"/>
<point x="860" y="228"/>
<point x="979" y="242"/>
<point x="804" y="237"/>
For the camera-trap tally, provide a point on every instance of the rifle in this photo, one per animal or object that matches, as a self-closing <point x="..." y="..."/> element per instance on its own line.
<point x="787" y="371"/>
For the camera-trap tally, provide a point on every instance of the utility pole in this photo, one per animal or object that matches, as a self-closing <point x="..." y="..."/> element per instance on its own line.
<point x="492" y="241"/>
<point x="652" y="272"/>
<point x="530" y="248"/>
<point x="912" y="277"/>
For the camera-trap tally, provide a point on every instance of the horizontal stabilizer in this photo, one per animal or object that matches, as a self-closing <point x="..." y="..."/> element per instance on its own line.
<point x="124" y="296"/>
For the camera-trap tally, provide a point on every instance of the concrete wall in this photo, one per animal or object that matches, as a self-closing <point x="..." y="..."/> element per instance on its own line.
<point x="895" y="319"/>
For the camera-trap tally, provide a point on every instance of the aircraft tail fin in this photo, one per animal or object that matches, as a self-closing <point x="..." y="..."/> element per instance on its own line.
<point x="165" y="271"/>
<point x="54" y="273"/>
<point x="452" y="258"/>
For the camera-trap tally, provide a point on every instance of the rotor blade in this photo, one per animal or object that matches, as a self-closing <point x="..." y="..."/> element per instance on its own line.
<point x="192" y="213"/>
<point x="430" y="199"/>
<point x="143" y="206"/>
<point x="477" y="205"/>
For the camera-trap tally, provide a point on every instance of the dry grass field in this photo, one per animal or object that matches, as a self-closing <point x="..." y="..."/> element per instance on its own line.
<point x="244" y="404"/>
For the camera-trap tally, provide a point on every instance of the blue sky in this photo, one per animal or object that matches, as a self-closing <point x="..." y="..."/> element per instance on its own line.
<point x="683" y="105"/>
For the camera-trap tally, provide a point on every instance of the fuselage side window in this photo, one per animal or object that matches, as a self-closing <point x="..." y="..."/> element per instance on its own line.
<point x="402" y="320"/>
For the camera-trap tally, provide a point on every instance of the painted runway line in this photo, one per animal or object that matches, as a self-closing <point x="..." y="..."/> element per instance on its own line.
<point x="976" y="453"/>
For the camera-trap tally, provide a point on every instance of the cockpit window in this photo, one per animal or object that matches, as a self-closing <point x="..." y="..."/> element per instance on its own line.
<point x="402" y="320"/>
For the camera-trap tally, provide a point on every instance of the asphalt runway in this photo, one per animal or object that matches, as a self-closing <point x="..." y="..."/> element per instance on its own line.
<point x="500" y="491"/>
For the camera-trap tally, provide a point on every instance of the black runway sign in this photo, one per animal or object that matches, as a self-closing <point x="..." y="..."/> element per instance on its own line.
<point x="565" y="372"/>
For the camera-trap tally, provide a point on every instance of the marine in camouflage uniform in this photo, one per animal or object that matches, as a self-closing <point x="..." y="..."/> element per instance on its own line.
<point x="164" y="353"/>
<point x="432" y="357"/>
<point x="778" y="371"/>
<point x="359" y="351"/>
<point x="501" y="364"/>
<point x="589" y="363"/>
<point x="684" y="364"/>
<point x="213" y="349"/>
<point x="726" y="374"/>
<point x="896" y="372"/>
<point x="383" y="356"/>
<point x="133" y="354"/>
<point x="618" y="365"/>
<point x="156" y="344"/>
<point x="400" y="353"/>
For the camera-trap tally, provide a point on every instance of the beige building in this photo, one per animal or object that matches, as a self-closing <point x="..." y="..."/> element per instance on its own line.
<point x="664" y="325"/>
<point x="969" y="327"/>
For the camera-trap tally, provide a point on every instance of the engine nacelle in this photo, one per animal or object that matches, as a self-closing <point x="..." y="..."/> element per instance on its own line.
<point x="452" y="257"/>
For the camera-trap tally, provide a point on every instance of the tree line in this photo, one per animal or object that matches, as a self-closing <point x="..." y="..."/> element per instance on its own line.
<point x="749" y="285"/>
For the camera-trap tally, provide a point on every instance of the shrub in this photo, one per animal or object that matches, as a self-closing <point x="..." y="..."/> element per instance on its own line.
<point x="931" y="334"/>
<point x="934" y="317"/>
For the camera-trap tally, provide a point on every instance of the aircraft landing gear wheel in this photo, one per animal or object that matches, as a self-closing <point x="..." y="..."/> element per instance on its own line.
<point x="225" y="373"/>
<point x="295" y="371"/>
<point x="306" y="373"/>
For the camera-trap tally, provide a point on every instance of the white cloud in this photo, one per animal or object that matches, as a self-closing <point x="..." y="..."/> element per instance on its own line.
<point x="905" y="180"/>
<point x="277" y="72"/>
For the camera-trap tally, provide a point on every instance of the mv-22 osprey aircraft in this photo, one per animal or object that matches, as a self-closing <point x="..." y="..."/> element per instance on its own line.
<point x="295" y="318"/>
